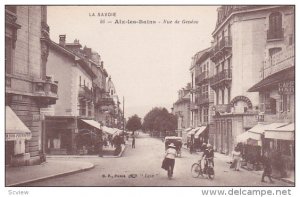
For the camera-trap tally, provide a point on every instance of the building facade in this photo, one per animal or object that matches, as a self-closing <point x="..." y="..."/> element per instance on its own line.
<point x="240" y="41"/>
<point x="181" y="109"/>
<point x="277" y="87"/>
<point x="27" y="87"/>
<point x="72" y="118"/>
<point x="204" y="95"/>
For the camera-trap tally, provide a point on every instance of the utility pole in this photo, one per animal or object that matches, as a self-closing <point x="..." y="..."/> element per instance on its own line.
<point x="123" y="116"/>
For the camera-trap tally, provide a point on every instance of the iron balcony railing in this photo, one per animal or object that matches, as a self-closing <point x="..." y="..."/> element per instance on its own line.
<point x="201" y="77"/>
<point x="221" y="76"/>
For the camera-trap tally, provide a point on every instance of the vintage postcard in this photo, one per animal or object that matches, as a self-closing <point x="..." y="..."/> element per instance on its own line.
<point x="150" y="95"/>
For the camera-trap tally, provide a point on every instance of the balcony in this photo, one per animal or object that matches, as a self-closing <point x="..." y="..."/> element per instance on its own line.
<point x="105" y="101"/>
<point x="220" y="79"/>
<point x="46" y="91"/>
<point x="275" y="34"/>
<point x="202" y="99"/>
<point x="201" y="78"/>
<point x="280" y="61"/>
<point x="85" y="93"/>
<point x="221" y="49"/>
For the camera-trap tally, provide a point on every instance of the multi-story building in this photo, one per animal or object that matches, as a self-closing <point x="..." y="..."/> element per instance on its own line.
<point x="277" y="86"/>
<point x="181" y="109"/>
<point x="113" y="116"/>
<point x="27" y="88"/>
<point x="240" y="39"/>
<point x="73" y="115"/>
<point x="204" y="96"/>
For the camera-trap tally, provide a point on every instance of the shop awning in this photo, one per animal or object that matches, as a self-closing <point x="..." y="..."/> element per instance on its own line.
<point x="200" y="131"/>
<point x="286" y="132"/>
<point x="92" y="123"/>
<point x="187" y="129"/>
<point x="15" y="129"/>
<point x="248" y="135"/>
<point x="193" y="131"/>
<point x="109" y="130"/>
<point x="273" y="80"/>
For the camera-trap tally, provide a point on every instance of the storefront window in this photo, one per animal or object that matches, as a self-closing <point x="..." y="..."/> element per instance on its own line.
<point x="284" y="103"/>
<point x="284" y="147"/>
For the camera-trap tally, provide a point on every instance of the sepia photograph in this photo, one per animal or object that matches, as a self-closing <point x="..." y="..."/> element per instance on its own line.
<point x="150" y="96"/>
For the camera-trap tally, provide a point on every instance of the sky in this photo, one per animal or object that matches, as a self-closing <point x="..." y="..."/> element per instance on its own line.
<point x="148" y="63"/>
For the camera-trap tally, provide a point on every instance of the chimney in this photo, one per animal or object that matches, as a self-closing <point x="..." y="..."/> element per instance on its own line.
<point x="102" y="64"/>
<point x="62" y="40"/>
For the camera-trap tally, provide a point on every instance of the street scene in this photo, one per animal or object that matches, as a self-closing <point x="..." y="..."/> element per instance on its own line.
<point x="147" y="171"/>
<point x="143" y="96"/>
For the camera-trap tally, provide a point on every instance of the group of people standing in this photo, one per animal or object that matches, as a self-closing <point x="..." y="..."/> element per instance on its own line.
<point x="266" y="161"/>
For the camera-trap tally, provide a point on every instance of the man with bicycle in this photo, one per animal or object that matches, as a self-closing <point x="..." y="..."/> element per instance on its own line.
<point x="208" y="155"/>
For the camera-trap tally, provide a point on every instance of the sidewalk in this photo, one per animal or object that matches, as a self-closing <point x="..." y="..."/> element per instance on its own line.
<point x="226" y="158"/>
<point x="17" y="176"/>
<point x="89" y="156"/>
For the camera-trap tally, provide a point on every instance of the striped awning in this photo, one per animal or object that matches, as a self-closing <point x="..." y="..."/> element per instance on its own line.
<point x="15" y="129"/>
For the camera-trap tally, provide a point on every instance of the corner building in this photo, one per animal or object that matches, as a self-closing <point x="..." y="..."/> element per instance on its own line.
<point x="239" y="47"/>
<point x="27" y="88"/>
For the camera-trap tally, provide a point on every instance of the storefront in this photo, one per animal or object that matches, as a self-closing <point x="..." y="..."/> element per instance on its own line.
<point x="71" y="135"/>
<point x="281" y="143"/>
<point x="16" y="135"/>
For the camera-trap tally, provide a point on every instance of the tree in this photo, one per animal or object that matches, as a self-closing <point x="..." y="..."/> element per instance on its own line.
<point x="134" y="123"/>
<point x="159" y="120"/>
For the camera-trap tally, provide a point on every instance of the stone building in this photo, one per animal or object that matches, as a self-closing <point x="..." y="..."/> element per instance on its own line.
<point x="277" y="90"/>
<point x="181" y="109"/>
<point x="28" y="90"/>
<point x="241" y="37"/>
<point x="204" y="97"/>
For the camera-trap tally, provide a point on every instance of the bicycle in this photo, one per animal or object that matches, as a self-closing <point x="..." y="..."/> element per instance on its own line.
<point x="197" y="170"/>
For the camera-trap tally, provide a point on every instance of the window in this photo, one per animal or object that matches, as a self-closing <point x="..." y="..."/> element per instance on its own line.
<point x="284" y="103"/>
<point x="205" y="115"/>
<point x="273" y="51"/>
<point x="82" y="108"/>
<point x="8" y="55"/>
<point x="217" y="97"/>
<point x="275" y="26"/>
<point x="89" y="109"/>
<point x="79" y="80"/>
<point x="229" y="63"/>
<point x="223" y="96"/>
<point x="229" y="95"/>
<point x="84" y="82"/>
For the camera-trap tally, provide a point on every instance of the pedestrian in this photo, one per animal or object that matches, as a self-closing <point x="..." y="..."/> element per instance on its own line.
<point x="133" y="142"/>
<point x="169" y="161"/>
<point x="236" y="155"/>
<point x="267" y="168"/>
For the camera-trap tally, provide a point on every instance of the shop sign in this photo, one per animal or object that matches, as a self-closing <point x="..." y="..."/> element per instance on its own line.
<point x="241" y="98"/>
<point x="286" y="87"/>
<point x="220" y="108"/>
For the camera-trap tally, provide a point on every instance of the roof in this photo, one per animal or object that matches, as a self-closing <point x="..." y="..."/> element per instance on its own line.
<point x="198" y="56"/>
<point x="274" y="79"/>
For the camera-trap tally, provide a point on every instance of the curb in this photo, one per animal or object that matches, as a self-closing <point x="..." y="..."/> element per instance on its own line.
<point x="91" y="166"/>
<point x="87" y="156"/>
<point x="117" y="156"/>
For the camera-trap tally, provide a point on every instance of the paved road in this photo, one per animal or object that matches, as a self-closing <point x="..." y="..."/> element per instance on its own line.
<point x="144" y="163"/>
